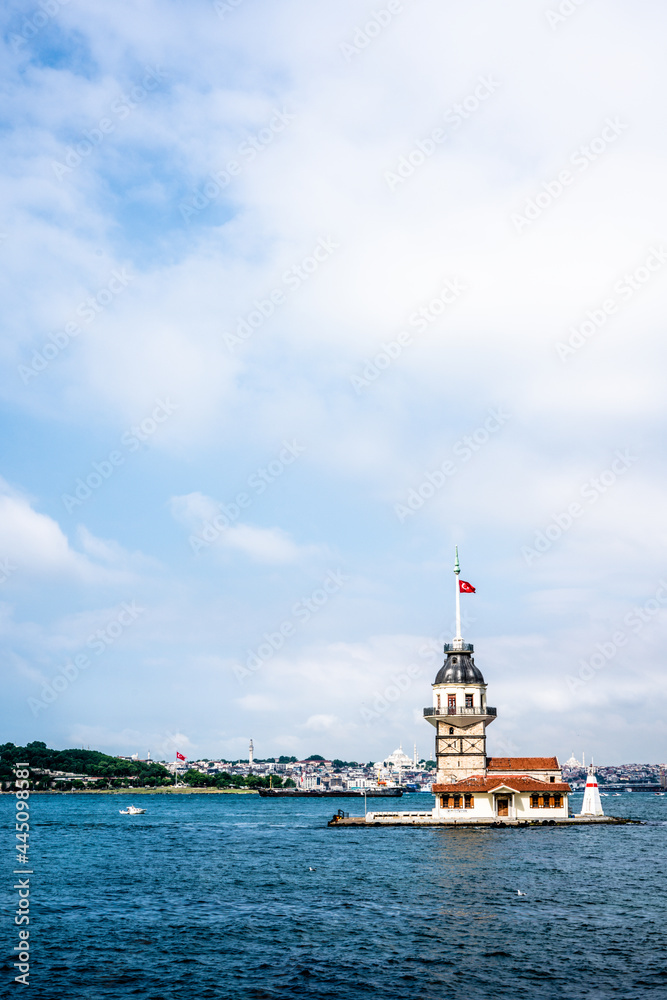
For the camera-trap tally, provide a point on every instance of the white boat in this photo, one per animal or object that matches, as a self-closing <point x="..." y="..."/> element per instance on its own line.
<point x="131" y="811"/>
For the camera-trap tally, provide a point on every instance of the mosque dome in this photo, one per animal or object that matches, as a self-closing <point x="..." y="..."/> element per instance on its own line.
<point x="459" y="668"/>
<point x="398" y="759"/>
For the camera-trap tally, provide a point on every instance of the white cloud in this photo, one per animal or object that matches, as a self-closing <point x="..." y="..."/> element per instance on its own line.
<point x="36" y="546"/>
<point x="324" y="176"/>
<point x="323" y="724"/>
<point x="210" y="524"/>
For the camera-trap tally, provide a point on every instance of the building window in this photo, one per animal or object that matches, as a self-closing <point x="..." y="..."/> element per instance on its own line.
<point x="451" y="730"/>
<point x="546" y="801"/>
<point x="469" y="801"/>
<point x="437" y="701"/>
<point x="552" y="779"/>
<point x="468" y="701"/>
<point x="451" y="703"/>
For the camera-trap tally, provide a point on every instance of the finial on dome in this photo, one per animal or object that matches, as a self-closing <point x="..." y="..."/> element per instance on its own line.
<point x="457" y="569"/>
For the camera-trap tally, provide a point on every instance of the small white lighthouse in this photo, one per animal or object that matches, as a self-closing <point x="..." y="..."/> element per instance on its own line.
<point x="591" y="806"/>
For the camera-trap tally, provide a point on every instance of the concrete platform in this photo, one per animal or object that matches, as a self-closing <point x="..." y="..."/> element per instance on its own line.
<point x="426" y="819"/>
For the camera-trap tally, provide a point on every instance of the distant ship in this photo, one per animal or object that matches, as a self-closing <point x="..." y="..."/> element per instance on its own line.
<point x="328" y="793"/>
<point x="131" y="811"/>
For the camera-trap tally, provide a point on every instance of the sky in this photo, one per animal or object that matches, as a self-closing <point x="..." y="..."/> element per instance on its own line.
<point x="297" y="297"/>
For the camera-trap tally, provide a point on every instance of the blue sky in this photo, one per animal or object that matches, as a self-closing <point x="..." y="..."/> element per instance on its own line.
<point x="296" y="298"/>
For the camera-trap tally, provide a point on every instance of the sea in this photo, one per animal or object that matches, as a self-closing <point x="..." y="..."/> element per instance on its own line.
<point x="237" y="896"/>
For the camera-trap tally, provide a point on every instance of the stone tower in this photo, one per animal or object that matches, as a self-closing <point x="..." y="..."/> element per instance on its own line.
<point x="460" y="715"/>
<point x="459" y="712"/>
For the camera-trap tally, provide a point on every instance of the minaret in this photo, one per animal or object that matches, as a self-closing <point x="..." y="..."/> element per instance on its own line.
<point x="251" y="754"/>
<point x="415" y="761"/>
<point x="591" y="806"/>
<point x="459" y="713"/>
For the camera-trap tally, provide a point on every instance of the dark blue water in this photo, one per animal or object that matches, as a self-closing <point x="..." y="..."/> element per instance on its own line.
<point x="211" y="896"/>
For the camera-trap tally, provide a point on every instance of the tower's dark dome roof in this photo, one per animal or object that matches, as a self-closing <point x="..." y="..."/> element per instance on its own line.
<point x="459" y="668"/>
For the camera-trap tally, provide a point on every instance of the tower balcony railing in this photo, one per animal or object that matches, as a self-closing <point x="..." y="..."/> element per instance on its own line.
<point x="460" y="647"/>
<point x="475" y="710"/>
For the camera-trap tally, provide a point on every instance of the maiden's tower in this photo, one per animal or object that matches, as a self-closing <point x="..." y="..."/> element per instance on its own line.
<point x="469" y="783"/>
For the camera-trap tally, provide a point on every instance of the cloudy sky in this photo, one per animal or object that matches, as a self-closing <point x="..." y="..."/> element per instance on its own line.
<point x="297" y="296"/>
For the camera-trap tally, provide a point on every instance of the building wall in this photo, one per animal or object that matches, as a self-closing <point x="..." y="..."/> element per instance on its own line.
<point x="484" y="807"/>
<point x="478" y="692"/>
<point x="461" y="753"/>
<point x="545" y="776"/>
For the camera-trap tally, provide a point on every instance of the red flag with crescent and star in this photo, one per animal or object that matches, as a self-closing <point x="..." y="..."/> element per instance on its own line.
<point x="466" y="588"/>
<point x="179" y="756"/>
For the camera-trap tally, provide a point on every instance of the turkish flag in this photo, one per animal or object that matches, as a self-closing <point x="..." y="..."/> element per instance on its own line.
<point x="466" y="588"/>
<point x="179" y="756"/>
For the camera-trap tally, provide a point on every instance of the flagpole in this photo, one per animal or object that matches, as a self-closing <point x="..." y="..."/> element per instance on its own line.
<point x="457" y="570"/>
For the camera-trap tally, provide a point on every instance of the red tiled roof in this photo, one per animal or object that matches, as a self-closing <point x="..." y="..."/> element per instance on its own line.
<point x="517" y="782"/>
<point x="522" y="764"/>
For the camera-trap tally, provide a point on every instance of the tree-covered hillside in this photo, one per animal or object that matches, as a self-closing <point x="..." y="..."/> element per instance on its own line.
<point x="77" y="761"/>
